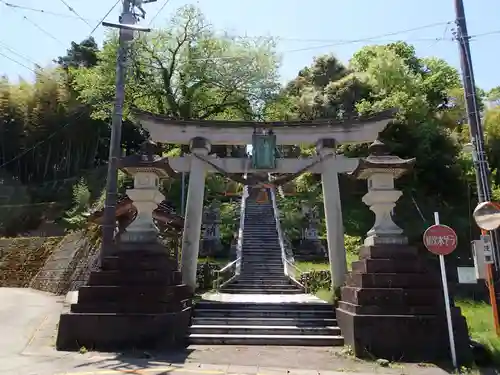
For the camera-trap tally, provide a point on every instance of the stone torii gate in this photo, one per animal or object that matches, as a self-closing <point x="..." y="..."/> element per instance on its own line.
<point x="200" y="135"/>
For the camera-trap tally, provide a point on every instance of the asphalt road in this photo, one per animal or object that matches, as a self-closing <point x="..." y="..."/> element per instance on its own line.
<point x="28" y="321"/>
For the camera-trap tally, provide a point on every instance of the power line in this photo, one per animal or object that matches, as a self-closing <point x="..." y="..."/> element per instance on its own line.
<point x="159" y="11"/>
<point x="18" y="63"/>
<point x="291" y="39"/>
<point x="47" y="12"/>
<point x="484" y="34"/>
<point x="43" y="30"/>
<point x="15" y="8"/>
<point x="103" y="18"/>
<point x="13" y="51"/>
<point x="72" y="10"/>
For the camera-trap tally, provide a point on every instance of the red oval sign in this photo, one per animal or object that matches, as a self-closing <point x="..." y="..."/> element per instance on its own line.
<point x="440" y="239"/>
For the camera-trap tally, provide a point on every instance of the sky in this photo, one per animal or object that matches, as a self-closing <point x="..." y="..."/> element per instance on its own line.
<point x="305" y="28"/>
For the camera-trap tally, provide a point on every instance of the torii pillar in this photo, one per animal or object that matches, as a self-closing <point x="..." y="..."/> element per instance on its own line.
<point x="194" y="212"/>
<point x="331" y="166"/>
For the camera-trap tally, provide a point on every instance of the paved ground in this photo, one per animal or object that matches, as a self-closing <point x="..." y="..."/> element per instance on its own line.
<point x="28" y="321"/>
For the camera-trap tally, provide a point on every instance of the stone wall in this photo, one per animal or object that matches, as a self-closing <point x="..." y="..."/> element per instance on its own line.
<point x="21" y="258"/>
<point x="62" y="264"/>
<point x="69" y="265"/>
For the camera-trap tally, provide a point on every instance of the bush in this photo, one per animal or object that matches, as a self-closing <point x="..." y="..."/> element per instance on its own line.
<point x="316" y="280"/>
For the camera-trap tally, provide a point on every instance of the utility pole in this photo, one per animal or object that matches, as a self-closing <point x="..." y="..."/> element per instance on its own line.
<point x="478" y="152"/>
<point x="127" y="27"/>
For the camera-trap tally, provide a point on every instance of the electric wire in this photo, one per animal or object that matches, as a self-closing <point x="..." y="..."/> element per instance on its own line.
<point x="14" y="52"/>
<point x="72" y="10"/>
<point x="159" y="11"/>
<point x="44" y="31"/>
<point x="43" y="11"/>
<point x="242" y="37"/>
<point x="223" y="58"/>
<point x="14" y="8"/>
<point x="291" y="39"/>
<point x="103" y="18"/>
<point x="18" y="63"/>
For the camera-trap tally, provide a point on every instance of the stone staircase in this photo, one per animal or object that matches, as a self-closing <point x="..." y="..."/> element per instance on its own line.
<point x="269" y="319"/>
<point x="262" y="270"/>
<point x="253" y="323"/>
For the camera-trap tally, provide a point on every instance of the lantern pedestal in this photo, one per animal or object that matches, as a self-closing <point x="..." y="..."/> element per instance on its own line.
<point x="392" y="307"/>
<point x="136" y="300"/>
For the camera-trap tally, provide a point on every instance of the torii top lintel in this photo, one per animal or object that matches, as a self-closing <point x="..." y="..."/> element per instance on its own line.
<point x="357" y="130"/>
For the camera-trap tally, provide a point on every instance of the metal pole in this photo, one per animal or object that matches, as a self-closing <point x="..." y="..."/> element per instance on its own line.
<point x="109" y="222"/>
<point x="447" y="305"/>
<point x="477" y="140"/>
<point x="476" y="131"/>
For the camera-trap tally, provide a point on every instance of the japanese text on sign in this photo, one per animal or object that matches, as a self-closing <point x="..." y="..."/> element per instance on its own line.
<point x="446" y="240"/>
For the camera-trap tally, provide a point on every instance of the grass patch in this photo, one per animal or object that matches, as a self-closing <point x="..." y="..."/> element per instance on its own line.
<point x="221" y="262"/>
<point x="325" y="295"/>
<point x="324" y="265"/>
<point x="481" y="327"/>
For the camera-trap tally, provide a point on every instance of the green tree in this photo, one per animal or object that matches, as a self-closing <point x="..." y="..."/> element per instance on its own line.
<point x="186" y="71"/>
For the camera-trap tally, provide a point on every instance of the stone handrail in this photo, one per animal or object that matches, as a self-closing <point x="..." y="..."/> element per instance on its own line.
<point x="239" y="245"/>
<point x="218" y="274"/>
<point x="285" y="251"/>
<point x="289" y="268"/>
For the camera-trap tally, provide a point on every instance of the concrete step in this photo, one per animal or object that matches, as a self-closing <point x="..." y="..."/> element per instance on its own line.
<point x="256" y="281"/>
<point x="262" y="249"/>
<point x="281" y="340"/>
<point x="307" y="322"/>
<point x="275" y="260"/>
<point x="263" y="330"/>
<point x="258" y="223"/>
<point x="253" y="268"/>
<point x="262" y="245"/>
<point x="261" y="282"/>
<point x="262" y="265"/>
<point x="263" y="314"/>
<point x="250" y="277"/>
<point x="263" y="290"/>
<point x="259" y="286"/>
<point x="257" y="236"/>
<point x="267" y="274"/>
<point x="278" y="306"/>
<point x="259" y="233"/>
<point x="266" y="228"/>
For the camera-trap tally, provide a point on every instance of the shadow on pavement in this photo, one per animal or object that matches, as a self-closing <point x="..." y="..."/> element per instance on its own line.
<point x="140" y="360"/>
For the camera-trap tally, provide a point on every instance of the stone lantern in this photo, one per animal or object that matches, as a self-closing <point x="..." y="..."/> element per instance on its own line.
<point x="137" y="298"/>
<point x="391" y="305"/>
<point x="147" y="169"/>
<point x="381" y="170"/>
